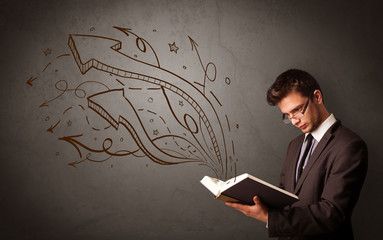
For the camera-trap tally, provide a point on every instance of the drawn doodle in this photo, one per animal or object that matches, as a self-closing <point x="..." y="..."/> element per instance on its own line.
<point x="30" y="80"/>
<point x="209" y="70"/>
<point x="47" y="52"/>
<point x="46" y="66"/>
<point x="147" y="72"/>
<point x="173" y="47"/>
<point x="227" y="80"/>
<point x="154" y="112"/>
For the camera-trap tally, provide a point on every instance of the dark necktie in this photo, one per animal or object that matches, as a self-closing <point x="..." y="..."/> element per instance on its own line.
<point x="303" y="159"/>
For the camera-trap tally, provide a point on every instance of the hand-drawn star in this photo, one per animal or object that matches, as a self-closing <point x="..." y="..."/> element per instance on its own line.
<point x="155" y="132"/>
<point x="47" y="52"/>
<point x="181" y="103"/>
<point x="173" y="47"/>
<point x="69" y="123"/>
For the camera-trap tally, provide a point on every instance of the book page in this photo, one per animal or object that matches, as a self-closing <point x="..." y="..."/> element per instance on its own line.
<point x="213" y="184"/>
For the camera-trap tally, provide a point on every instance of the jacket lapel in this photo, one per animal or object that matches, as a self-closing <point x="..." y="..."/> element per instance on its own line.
<point x="314" y="157"/>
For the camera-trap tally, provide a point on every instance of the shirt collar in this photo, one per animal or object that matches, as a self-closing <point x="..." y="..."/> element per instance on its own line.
<point x="322" y="129"/>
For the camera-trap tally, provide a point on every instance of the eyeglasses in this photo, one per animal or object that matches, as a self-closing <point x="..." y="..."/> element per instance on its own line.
<point x="286" y="119"/>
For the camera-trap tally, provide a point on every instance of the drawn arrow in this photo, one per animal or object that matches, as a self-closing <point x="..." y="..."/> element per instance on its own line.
<point x="115" y="108"/>
<point x="128" y="31"/>
<point x="205" y="69"/>
<point x="50" y="129"/>
<point x="86" y="52"/>
<point x="30" y="80"/>
<point x="194" y="45"/>
<point x="77" y="144"/>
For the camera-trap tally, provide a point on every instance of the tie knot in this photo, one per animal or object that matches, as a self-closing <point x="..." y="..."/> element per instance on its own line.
<point x="309" y="138"/>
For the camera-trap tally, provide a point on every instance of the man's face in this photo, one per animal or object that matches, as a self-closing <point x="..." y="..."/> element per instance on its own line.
<point x="293" y="103"/>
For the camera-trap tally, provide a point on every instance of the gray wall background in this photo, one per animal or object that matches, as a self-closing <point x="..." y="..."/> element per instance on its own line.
<point x="250" y="42"/>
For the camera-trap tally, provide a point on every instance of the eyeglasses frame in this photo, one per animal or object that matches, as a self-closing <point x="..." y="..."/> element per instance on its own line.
<point x="288" y="119"/>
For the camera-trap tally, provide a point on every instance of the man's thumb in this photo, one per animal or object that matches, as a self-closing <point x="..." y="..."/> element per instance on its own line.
<point x="256" y="200"/>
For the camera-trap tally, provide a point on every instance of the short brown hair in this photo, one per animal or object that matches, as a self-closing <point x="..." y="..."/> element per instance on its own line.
<point x="292" y="80"/>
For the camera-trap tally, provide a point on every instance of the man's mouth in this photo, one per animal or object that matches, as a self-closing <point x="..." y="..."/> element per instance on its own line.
<point x="302" y="126"/>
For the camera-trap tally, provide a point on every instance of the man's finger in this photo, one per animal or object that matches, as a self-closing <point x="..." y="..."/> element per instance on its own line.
<point x="238" y="206"/>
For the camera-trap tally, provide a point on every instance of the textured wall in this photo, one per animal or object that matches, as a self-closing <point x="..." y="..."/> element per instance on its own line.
<point x="114" y="147"/>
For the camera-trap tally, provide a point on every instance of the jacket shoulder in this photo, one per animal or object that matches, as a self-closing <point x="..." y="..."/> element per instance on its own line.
<point x="344" y="135"/>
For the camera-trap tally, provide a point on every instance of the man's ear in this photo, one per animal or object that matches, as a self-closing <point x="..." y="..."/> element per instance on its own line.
<point x="317" y="97"/>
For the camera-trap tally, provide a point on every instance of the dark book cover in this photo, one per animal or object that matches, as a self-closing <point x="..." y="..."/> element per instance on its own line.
<point x="246" y="189"/>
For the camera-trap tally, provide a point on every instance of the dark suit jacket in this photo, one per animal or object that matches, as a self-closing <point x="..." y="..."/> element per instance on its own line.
<point x="328" y="188"/>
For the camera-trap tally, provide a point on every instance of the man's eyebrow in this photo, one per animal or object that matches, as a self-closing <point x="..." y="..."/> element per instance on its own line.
<point x="295" y="109"/>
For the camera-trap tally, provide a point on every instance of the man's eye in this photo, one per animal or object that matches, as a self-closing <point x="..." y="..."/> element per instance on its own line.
<point x="295" y="111"/>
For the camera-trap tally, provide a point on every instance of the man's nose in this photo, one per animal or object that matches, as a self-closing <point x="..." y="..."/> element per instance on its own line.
<point x="295" y="121"/>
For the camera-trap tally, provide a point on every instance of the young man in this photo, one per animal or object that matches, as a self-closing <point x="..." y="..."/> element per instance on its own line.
<point x="325" y="166"/>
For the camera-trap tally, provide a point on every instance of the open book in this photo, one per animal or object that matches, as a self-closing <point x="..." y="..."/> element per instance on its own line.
<point x="243" y="188"/>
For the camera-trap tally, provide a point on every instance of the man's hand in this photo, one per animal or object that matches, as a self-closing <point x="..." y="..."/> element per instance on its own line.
<point x="258" y="211"/>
